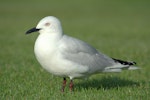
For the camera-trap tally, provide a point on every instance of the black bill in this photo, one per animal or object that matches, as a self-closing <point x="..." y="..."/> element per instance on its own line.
<point x="32" y="30"/>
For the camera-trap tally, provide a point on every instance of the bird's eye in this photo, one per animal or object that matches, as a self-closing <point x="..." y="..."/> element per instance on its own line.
<point x="47" y="24"/>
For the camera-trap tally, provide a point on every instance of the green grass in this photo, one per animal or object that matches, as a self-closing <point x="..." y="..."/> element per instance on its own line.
<point x="120" y="29"/>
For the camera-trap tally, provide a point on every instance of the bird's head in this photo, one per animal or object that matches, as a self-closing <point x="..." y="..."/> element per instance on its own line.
<point x="48" y="25"/>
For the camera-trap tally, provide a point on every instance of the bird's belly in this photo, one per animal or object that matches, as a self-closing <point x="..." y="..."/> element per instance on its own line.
<point x="52" y="60"/>
<point x="57" y="65"/>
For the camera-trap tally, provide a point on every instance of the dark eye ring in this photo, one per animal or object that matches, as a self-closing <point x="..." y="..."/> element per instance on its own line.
<point x="47" y="24"/>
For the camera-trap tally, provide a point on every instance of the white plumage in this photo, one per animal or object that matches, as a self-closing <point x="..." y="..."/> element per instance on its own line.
<point x="66" y="56"/>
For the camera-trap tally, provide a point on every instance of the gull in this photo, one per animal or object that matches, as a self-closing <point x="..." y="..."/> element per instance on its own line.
<point x="66" y="56"/>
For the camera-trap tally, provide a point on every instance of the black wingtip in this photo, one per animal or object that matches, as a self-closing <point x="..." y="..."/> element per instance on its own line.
<point x="124" y="62"/>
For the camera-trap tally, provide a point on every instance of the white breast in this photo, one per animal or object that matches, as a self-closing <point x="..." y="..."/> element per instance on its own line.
<point x="46" y="52"/>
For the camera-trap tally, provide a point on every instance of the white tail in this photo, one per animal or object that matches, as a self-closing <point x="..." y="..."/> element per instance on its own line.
<point x="121" y="65"/>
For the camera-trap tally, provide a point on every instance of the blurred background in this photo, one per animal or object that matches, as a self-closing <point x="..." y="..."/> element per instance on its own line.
<point x="118" y="28"/>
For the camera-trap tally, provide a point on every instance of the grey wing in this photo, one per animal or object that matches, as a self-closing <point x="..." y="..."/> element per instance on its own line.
<point x="83" y="54"/>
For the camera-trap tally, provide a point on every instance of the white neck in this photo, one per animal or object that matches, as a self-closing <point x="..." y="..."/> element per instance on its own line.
<point x="46" y="44"/>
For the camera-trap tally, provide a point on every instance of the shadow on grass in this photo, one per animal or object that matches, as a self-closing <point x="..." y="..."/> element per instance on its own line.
<point x="106" y="83"/>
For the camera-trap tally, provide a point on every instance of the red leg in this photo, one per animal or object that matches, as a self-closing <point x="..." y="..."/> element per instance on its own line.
<point x="64" y="84"/>
<point x="71" y="85"/>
